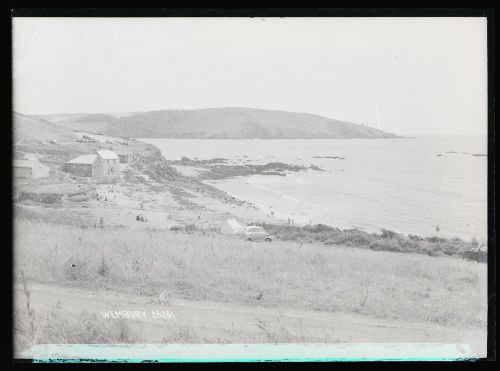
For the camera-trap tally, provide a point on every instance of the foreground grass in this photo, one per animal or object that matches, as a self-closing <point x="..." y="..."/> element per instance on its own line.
<point x="57" y="327"/>
<point x="379" y="284"/>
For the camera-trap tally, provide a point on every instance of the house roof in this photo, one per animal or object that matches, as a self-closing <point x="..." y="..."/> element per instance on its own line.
<point x="106" y="154"/>
<point x="24" y="163"/>
<point x="28" y="163"/>
<point x="83" y="159"/>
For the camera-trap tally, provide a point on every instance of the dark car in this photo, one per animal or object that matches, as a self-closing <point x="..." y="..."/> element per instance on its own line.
<point x="478" y="254"/>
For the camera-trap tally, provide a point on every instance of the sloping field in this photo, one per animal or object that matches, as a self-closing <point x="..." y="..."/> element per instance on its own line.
<point x="377" y="284"/>
<point x="30" y="129"/>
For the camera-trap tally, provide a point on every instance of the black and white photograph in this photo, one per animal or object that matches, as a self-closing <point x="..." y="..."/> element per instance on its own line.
<point x="248" y="188"/>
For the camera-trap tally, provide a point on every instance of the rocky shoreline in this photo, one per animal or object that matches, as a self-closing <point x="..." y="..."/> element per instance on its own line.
<point x="221" y="168"/>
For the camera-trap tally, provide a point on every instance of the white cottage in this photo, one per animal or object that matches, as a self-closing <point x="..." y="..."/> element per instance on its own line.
<point x="109" y="163"/>
<point x="30" y="169"/>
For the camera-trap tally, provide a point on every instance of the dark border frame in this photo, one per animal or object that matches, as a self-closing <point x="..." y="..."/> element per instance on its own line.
<point x="489" y="13"/>
<point x="253" y="12"/>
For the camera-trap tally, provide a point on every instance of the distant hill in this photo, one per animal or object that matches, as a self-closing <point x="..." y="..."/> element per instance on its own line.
<point x="94" y="122"/>
<point x="219" y="123"/>
<point x="32" y="129"/>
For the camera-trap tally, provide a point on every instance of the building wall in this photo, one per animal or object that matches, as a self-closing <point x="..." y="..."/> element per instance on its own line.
<point x="115" y="165"/>
<point x="125" y="158"/>
<point x="83" y="170"/>
<point x="23" y="172"/>
<point x="110" y="168"/>
<point x="40" y="171"/>
<point x="98" y="169"/>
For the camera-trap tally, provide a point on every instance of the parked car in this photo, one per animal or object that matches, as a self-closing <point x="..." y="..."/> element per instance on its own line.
<point x="478" y="254"/>
<point x="254" y="233"/>
<point x="483" y="253"/>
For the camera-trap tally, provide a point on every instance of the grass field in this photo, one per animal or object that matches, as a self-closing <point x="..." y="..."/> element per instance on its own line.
<point x="377" y="284"/>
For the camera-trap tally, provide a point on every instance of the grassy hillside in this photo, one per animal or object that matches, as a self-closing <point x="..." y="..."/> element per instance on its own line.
<point x="77" y="121"/>
<point x="220" y="123"/>
<point x="31" y="129"/>
<point x="144" y="261"/>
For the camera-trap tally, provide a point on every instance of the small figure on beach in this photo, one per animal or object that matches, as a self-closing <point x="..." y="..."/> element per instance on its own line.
<point x="437" y="228"/>
<point x="101" y="222"/>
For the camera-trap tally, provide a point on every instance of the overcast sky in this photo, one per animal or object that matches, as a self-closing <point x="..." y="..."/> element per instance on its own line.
<point x="426" y="75"/>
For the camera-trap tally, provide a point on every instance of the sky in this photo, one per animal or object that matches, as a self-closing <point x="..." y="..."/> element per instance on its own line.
<point x="402" y="75"/>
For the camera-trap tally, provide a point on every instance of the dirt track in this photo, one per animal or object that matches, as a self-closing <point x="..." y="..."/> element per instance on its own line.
<point x="244" y="324"/>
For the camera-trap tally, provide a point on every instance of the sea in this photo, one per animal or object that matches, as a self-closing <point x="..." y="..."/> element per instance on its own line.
<point x="427" y="185"/>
